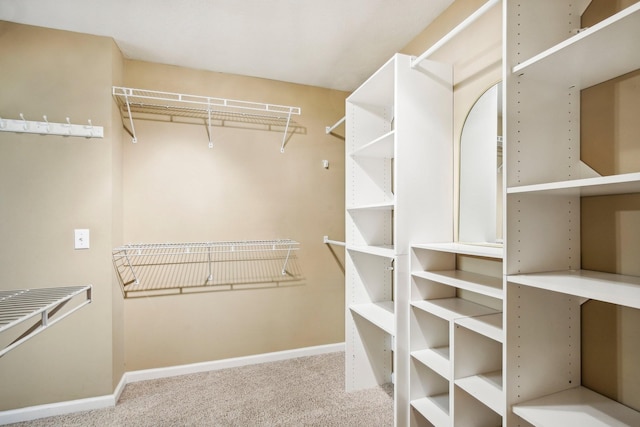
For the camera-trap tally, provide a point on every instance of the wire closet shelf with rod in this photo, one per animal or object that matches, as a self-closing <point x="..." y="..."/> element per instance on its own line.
<point x="168" y="268"/>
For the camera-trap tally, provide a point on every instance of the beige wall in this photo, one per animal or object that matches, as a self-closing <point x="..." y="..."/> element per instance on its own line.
<point x="176" y="189"/>
<point x="50" y="185"/>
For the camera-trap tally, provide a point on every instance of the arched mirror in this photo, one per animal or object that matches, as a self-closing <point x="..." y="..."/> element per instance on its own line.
<point x="480" y="207"/>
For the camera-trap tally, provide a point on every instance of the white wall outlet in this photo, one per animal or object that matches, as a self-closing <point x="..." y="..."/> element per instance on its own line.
<point x="81" y="238"/>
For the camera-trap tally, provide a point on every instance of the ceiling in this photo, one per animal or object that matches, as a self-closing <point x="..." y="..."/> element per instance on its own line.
<point x="333" y="44"/>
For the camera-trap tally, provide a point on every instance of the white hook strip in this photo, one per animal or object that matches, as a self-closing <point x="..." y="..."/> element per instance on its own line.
<point x="46" y="127"/>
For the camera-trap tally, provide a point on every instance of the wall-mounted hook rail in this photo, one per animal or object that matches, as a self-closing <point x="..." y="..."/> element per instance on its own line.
<point x="46" y="127"/>
<point x="147" y="102"/>
<point x="330" y="129"/>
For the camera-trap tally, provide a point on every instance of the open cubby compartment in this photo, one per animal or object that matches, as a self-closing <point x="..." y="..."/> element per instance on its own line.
<point x="544" y="363"/>
<point x="371" y="291"/>
<point x="430" y="341"/>
<point x="372" y="354"/>
<point x="429" y="397"/>
<point x="370" y="227"/>
<point x="443" y="270"/>
<point x="478" y="363"/>
<point x="370" y="182"/>
<point x="470" y="412"/>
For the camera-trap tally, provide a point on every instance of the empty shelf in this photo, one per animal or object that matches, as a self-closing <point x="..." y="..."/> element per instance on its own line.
<point x="598" y="186"/>
<point x="452" y="308"/>
<point x="380" y="314"/>
<point x="387" y="251"/>
<point x="489" y="325"/>
<point x="434" y="408"/>
<point x="382" y="147"/>
<point x="487" y="388"/>
<point x="485" y="285"/>
<point x="482" y="250"/>
<point x="577" y="407"/>
<point x="436" y="359"/>
<point x="19" y="306"/>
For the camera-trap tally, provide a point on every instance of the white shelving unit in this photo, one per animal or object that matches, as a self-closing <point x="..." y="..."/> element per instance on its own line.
<point x="398" y="128"/>
<point x="545" y="184"/>
<point x="456" y="341"/>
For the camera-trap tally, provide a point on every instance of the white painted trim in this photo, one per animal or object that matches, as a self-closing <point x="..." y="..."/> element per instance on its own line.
<point x="71" y="406"/>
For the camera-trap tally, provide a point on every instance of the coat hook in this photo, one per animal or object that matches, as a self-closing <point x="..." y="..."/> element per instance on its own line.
<point x="90" y="127"/>
<point x="1" y="123"/>
<point x="25" y="125"/>
<point x="68" y="125"/>
<point x="47" y="122"/>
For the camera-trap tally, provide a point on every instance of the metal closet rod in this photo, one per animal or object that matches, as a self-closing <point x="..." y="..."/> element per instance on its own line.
<point x="330" y="129"/>
<point x="455" y="31"/>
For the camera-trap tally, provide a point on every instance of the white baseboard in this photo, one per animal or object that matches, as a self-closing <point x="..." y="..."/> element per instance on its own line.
<point x="68" y="407"/>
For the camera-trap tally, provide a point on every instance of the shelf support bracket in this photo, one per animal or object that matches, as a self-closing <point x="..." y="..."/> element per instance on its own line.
<point x="133" y="129"/>
<point x="209" y="125"/>
<point x="286" y="129"/>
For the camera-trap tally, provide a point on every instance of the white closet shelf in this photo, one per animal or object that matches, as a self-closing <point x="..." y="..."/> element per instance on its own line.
<point x="598" y="186"/>
<point x="382" y="206"/>
<point x="481" y="250"/>
<point x="434" y="408"/>
<point x="485" y="285"/>
<point x="377" y="89"/>
<point x="385" y="251"/>
<point x="382" y="147"/>
<point x="487" y="388"/>
<point x="571" y="63"/>
<point x="452" y="308"/>
<point x="154" y="103"/>
<point x="167" y="267"/>
<point x="438" y="359"/>
<point x="577" y="406"/>
<point x="607" y="287"/>
<point x="22" y="305"/>
<point x="380" y="314"/>
<point x="488" y="325"/>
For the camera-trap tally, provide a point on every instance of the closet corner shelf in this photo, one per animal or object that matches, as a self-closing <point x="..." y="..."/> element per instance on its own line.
<point x="577" y="406"/>
<point x="574" y="55"/>
<point x="21" y="305"/>
<point x="165" y="268"/>
<point x="155" y="103"/>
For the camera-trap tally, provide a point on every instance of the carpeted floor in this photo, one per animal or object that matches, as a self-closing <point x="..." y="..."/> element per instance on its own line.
<point x="307" y="391"/>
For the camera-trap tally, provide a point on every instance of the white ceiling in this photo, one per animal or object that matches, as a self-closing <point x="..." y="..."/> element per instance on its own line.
<point x="334" y="44"/>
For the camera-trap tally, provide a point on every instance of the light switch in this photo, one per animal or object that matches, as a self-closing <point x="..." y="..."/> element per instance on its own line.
<point x="81" y="238"/>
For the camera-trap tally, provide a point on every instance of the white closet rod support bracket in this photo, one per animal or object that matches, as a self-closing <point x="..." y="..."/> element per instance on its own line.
<point x="46" y="127"/>
<point x="330" y="129"/>
<point x="455" y="31"/>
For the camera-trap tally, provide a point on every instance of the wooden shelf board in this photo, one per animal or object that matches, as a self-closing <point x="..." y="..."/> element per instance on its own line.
<point x="434" y="408"/>
<point x="482" y="250"/>
<point x="380" y="314"/>
<point x="437" y="359"/>
<point x="387" y="251"/>
<point x="489" y="325"/>
<point x="571" y="63"/>
<point x="383" y="206"/>
<point x="485" y="285"/>
<point x="452" y="308"/>
<point x="596" y="285"/>
<point x="577" y="406"/>
<point x="487" y="388"/>
<point x="598" y="186"/>
<point x="382" y="147"/>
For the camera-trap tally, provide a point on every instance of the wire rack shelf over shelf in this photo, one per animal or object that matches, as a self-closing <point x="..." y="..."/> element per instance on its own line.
<point x="148" y="103"/>
<point x="166" y="268"/>
<point x="44" y="304"/>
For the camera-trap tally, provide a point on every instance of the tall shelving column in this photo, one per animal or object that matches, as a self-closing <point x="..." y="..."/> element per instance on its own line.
<point x="398" y="131"/>
<point x="545" y="183"/>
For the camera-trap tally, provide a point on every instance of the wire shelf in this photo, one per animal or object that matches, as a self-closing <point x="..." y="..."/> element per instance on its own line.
<point x="161" y="268"/>
<point x="19" y="306"/>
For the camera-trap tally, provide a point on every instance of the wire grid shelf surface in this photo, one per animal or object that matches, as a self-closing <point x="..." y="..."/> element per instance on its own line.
<point x="165" y="267"/>
<point x="18" y="306"/>
<point x="201" y="107"/>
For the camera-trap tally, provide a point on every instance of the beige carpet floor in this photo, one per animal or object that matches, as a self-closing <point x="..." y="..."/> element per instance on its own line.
<point x="307" y="391"/>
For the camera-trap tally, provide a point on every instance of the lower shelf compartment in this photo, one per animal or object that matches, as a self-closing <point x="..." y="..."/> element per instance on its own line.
<point x="437" y="359"/>
<point x="435" y="409"/>
<point x="487" y="388"/>
<point x="577" y="406"/>
<point x="380" y="314"/>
